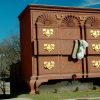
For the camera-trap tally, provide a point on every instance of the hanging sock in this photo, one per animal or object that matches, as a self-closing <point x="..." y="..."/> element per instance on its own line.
<point x="81" y="49"/>
<point x="74" y="54"/>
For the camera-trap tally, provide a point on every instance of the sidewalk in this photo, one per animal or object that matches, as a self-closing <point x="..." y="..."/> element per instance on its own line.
<point x="92" y="98"/>
<point x="18" y="99"/>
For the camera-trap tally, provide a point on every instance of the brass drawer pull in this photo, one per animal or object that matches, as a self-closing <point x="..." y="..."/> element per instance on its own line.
<point x="49" y="64"/>
<point x="49" y="47"/>
<point x="95" y="33"/>
<point x="48" y="32"/>
<point x="96" y="63"/>
<point x="96" y="47"/>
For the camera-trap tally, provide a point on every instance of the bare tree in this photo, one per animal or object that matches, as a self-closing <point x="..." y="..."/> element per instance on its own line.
<point x="10" y="47"/>
<point x="9" y="54"/>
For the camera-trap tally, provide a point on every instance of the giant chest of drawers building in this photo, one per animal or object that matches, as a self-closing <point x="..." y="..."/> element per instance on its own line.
<point x="47" y="39"/>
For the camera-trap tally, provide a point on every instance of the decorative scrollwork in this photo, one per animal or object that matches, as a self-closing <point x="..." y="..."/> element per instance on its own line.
<point x="71" y="21"/>
<point x="91" y="21"/>
<point x="46" y="20"/>
<point x="82" y="18"/>
<point x="59" y="16"/>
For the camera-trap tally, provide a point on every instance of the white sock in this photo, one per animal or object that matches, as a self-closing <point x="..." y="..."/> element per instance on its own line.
<point x="74" y="54"/>
<point x="82" y="48"/>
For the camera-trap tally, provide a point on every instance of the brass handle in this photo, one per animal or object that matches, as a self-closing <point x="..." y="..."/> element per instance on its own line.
<point x="95" y="33"/>
<point x="48" y="32"/>
<point x="96" y="47"/>
<point x="49" y="64"/>
<point x="96" y="63"/>
<point x="49" y="47"/>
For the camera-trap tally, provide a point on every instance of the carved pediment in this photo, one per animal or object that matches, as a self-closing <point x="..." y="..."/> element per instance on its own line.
<point x="46" y="20"/>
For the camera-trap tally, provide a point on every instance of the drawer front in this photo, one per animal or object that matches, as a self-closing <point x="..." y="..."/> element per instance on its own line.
<point x="93" y="66"/>
<point x="70" y="67"/>
<point x="47" y="47"/>
<point x="53" y="47"/>
<point x="70" y="33"/>
<point x="58" y="33"/>
<point x="47" y="33"/>
<point x="48" y="65"/>
<point x="67" y="47"/>
<point x="92" y="33"/>
<point x="94" y="46"/>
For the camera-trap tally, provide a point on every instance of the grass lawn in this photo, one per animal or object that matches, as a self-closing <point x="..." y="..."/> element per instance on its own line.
<point x="62" y="95"/>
